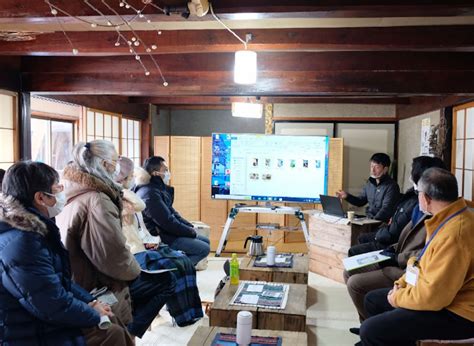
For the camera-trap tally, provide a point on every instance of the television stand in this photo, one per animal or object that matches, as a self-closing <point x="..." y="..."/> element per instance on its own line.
<point x="260" y="209"/>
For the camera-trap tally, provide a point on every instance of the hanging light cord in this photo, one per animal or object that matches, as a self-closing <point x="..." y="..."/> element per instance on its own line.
<point x="225" y="26"/>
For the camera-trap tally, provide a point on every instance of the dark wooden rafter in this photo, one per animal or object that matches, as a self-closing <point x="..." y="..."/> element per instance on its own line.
<point x="10" y="76"/>
<point x="421" y="105"/>
<point x="429" y="38"/>
<point x="176" y="101"/>
<point x="291" y="84"/>
<point x="275" y="63"/>
<point x="265" y="8"/>
<point x="280" y="74"/>
<point x="114" y="104"/>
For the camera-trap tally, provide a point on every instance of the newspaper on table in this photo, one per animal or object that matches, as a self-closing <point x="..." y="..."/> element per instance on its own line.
<point x="363" y="260"/>
<point x="282" y="260"/>
<point x="223" y="339"/>
<point x="267" y="295"/>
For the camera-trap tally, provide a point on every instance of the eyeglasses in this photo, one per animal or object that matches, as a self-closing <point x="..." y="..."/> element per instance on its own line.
<point x="59" y="188"/>
<point x="426" y="195"/>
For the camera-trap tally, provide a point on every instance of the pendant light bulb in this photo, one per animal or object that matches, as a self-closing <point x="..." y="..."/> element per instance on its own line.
<point x="245" y="68"/>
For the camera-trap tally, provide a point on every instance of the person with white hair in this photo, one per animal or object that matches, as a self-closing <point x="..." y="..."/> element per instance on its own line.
<point x="91" y="229"/>
<point x="185" y="305"/>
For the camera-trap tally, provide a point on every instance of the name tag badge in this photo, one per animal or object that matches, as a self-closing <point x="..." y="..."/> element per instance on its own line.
<point x="411" y="275"/>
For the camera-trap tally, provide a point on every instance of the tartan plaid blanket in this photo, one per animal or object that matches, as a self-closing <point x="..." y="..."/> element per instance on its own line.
<point x="185" y="305"/>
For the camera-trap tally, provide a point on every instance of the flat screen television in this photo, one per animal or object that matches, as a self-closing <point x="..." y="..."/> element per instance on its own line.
<point x="256" y="167"/>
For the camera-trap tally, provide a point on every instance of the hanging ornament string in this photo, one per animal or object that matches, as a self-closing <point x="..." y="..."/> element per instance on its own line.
<point x="109" y="22"/>
<point x="135" y="40"/>
<point x="54" y="12"/>
<point x="57" y="9"/>
<point x="139" y="40"/>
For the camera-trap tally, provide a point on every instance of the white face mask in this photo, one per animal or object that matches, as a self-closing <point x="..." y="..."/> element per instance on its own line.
<point x="167" y="177"/>
<point x="58" y="206"/>
<point x="129" y="183"/>
<point x="117" y="170"/>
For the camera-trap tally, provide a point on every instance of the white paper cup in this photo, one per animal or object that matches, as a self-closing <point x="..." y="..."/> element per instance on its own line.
<point x="271" y="252"/>
<point x="350" y="215"/>
<point x="104" y="322"/>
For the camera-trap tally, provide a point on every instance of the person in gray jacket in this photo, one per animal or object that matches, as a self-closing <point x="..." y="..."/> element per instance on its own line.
<point x="387" y="235"/>
<point x="381" y="192"/>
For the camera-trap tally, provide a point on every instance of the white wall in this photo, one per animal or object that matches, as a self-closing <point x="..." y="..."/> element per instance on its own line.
<point x="409" y="142"/>
<point x="361" y="140"/>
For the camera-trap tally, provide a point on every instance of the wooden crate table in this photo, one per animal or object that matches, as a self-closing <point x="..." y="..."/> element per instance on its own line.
<point x="223" y="314"/>
<point x="203" y="336"/>
<point x="330" y="242"/>
<point x="292" y="318"/>
<point x="298" y="274"/>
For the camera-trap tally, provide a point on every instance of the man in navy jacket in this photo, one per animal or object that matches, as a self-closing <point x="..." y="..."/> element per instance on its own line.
<point x="159" y="215"/>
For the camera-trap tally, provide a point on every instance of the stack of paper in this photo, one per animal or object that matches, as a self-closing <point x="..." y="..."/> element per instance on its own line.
<point x="363" y="260"/>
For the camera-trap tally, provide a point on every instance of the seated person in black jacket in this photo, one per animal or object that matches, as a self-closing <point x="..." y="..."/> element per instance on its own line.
<point x="381" y="192"/>
<point x="387" y="235"/>
<point x="2" y="174"/>
<point x="159" y="215"/>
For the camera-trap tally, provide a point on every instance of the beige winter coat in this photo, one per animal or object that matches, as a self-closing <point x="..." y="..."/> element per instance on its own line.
<point x="132" y="204"/>
<point x="91" y="230"/>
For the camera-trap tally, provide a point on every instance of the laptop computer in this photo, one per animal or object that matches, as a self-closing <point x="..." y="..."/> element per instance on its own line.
<point x="333" y="206"/>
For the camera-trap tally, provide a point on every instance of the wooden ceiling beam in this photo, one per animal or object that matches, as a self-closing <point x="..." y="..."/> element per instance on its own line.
<point x="267" y="62"/>
<point x="114" y="104"/>
<point x="423" y="105"/>
<point x="308" y="83"/>
<point x="227" y="100"/>
<point x="424" y="38"/>
<point x="265" y="8"/>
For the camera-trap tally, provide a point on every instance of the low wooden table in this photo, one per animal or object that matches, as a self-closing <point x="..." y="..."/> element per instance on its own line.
<point x="292" y="318"/>
<point x="203" y="336"/>
<point x="298" y="274"/>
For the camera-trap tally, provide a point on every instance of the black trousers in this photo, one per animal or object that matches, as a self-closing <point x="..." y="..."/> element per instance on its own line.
<point x="401" y="327"/>
<point x="367" y="243"/>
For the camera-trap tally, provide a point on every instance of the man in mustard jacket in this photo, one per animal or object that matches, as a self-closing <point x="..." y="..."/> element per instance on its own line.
<point x="434" y="299"/>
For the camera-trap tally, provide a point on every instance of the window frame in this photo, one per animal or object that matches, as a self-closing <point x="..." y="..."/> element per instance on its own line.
<point x="120" y="138"/>
<point x="454" y="168"/>
<point x="59" y="119"/>
<point x="86" y="134"/>
<point x="15" y="122"/>
<point x="140" y="136"/>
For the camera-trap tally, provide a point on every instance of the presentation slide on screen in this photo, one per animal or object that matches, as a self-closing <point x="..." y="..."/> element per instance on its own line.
<point x="269" y="167"/>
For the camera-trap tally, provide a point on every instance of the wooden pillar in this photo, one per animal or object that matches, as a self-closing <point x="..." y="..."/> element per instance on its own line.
<point x="24" y="120"/>
<point x="268" y="118"/>
<point x="445" y="136"/>
<point x="146" y="143"/>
